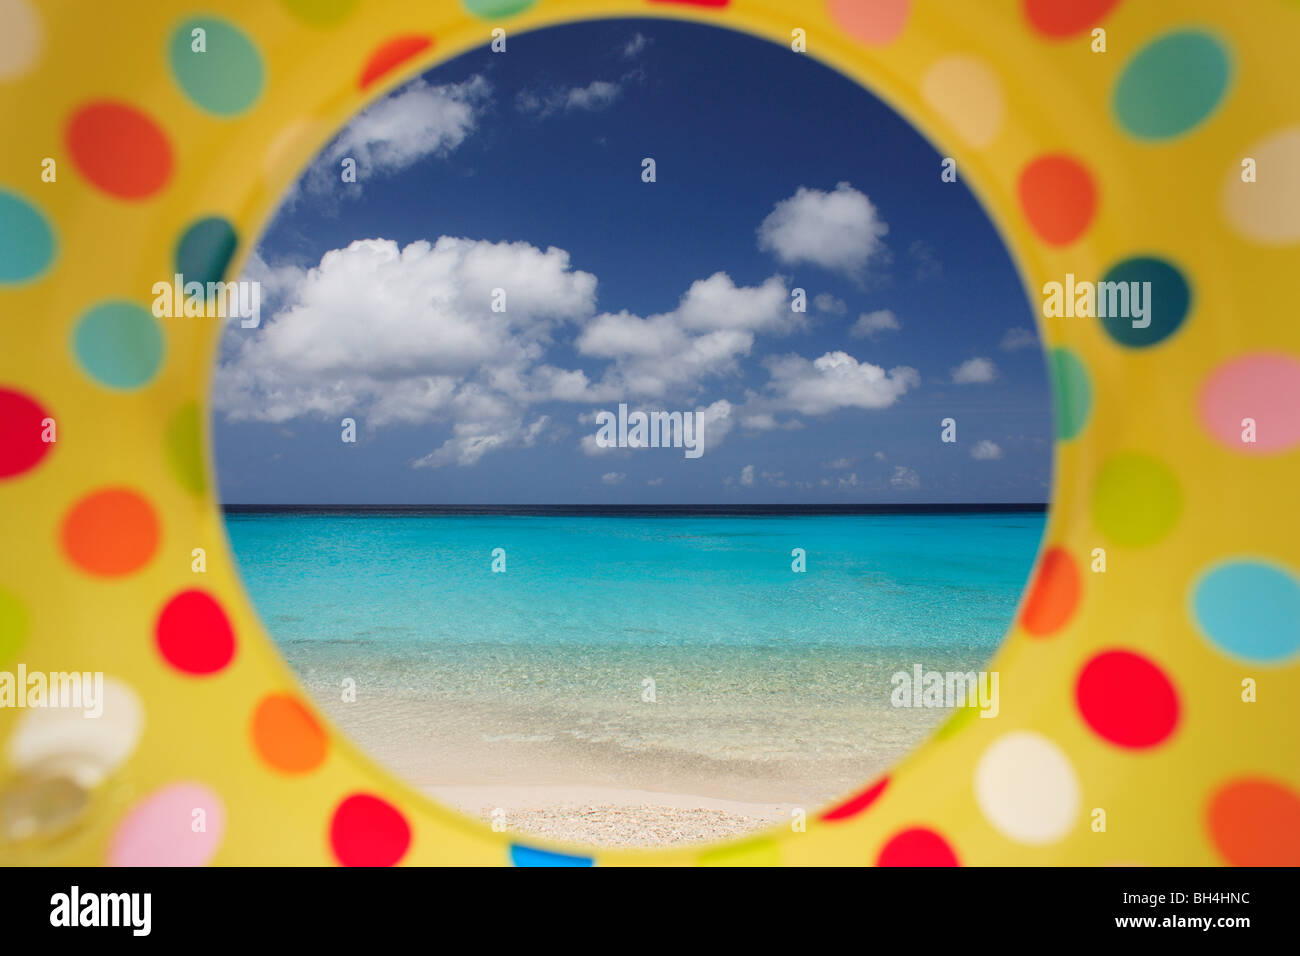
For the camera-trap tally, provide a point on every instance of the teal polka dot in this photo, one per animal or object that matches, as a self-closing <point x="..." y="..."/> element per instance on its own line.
<point x="1165" y="303"/>
<point x="119" y="344"/>
<point x="226" y="77"/>
<point x="1249" y="609"/>
<point x="1071" y="392"/>
<point x="205" y="250"/>
<point x="497" y="8"/>
<point x="26" y="240"/>
<point x="1171" y="85"/>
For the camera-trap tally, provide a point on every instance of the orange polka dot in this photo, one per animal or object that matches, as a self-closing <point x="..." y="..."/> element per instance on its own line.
<point x="119" y="149"/>
<point x="111" y="532"/>
<point x="1054" y="595"/>
<point x="287" y="736"/>
<point x="391" y="55"/>
<point x="1058" y="197"/>
<point x="1255" y="822"/>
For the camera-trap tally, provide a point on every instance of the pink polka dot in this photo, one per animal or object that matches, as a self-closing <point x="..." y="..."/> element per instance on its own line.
<point x="875" y="23"/>
<point x="22" y="444"/>
<point x="1265" y="388"/>
<point x="917" y="847"/>
<point x="368" y="831"/>
<point x="179" y="825"/>
<point x="1126" y="699"/>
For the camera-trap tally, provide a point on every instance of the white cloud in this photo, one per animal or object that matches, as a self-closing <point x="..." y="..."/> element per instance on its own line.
<point x="747" y="475"/>
<point x="847" y="481"/>
<point x="635" y="45"/>
<point x="986" y="450"/>
<point x="613" y="477"/>
<point x="840" y="230"/>
<point x="976" y="371"/>
<point x="869" y="324"/>
<point x="397" y="132"/>
<point x="830" y="304"/>
<point x="654" y="482"/>
<point x="905" y="478"/>
<point x="1018" y="338"/>
<point x="836" y="380"/>
<point x="839" y="464"/>
<point x="595" y="96"/>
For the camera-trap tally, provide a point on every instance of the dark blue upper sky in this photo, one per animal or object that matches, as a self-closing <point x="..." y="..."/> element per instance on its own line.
<point x="771" y="169"/>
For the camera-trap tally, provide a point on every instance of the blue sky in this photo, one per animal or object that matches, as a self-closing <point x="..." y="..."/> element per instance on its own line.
<point x="523" y="171"/>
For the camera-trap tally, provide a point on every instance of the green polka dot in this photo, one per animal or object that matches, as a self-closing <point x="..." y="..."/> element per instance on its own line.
<point x="320" y="13"/>
<point x="226" y="78"/>
<point x="1136" y="500"/>
<point x="26" y="240"/>
<point x="13" y="626"/>
<point x="761" y="852"/>
<point x="184" y="443"/>
<point x="205" y="250"/>
<point x="119" y="344"/>
<point x="1167" y="305"/>
<point x="1071" y="392"/>
<point x="1172" y="85"/>
<point x="497" y="8"/>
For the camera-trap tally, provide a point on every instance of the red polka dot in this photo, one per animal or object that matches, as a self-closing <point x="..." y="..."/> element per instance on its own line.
<point x="1065" y="18"/>
<point x="1255" y="822"/>
<point x="696" y="3"/>
<point x="368" y="831"/>
<point x="856" y="804"/>
<point x="917" y="847"/>
<point x="1054" y="595"/>
<point x="1058" y="197"/>
<point x="391" y="55"/>
<point x="21" y="442"/>
<point x="194" y="634"/>
<point x="119" y="149"/>
<point x="1126" y="699"/>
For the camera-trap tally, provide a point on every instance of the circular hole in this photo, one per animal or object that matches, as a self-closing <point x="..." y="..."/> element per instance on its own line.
<point x="435" y="478"/>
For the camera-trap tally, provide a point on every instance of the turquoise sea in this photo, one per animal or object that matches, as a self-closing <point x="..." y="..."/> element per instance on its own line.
<point x="647" y="648"/>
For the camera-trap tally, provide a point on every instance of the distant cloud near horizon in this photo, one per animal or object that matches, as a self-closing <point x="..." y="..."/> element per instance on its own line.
<point x="986" y="450"/>
<point x="976" y="371"/>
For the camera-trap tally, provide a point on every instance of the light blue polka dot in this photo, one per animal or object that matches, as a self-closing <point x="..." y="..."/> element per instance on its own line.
<point x="119" y="344"/>
<point x="1249" y="609"/>
<point x="26" y="240"/>
<point x="1172" y="85"/>
<point x="521" y="855"/>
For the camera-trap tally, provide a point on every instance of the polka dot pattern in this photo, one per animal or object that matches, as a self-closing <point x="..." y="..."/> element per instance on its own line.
<point x="119" y="150"/>
<point x="1249" y="610"/>
<point x="224" y="75"/>
<point x="111" y="532"/>
<point x="23" y="40"/>
<point x="1254" y="821"/>
<point x="1136" y="500"/>
<point x="967" y="94"/>
<point x="1167" y="301"/>
<point x="205" y="250"/>
<point x="1071" y="393"/>
<point x="521" y="855"/>
<point x="492" y="9"/>
<point x="1058" y="21"/>
<point x="1027" y="788"/>
<point x="26" y="240"/>
<point x="287" y="736"/>
<point x="178" y="825"/>
<point x="1172" y="85"/>
<point x="1251" y="404"/>
<point x="917" y="846"/>
<point x="857" y="803"/>
<point x="1267" y="208"/>
<point x="1059" y="198"/>
<point x="1054" y="596"/>
<point x="1127" y="700"/>
<point x="22" y="433"/>
<point x="875" y="24"/>
<point x="194" y="635"/>
<point x="390" y="56"/>
<point x="368" y="831"/>
<point x="119" y="344"/>
<point x="88" y="748"/>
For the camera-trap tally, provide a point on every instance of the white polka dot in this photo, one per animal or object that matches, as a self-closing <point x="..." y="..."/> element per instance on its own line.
<point x="85" y="747"/>
<point x="966" y="93"/>
<point x="1026" y="787"/>
<point x="1268" y="209"/>
<point x="21" y="39"/>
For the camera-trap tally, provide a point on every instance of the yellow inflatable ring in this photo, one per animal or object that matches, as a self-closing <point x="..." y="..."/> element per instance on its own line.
<point x="1151" y="712"/>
